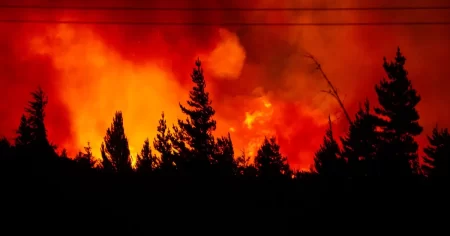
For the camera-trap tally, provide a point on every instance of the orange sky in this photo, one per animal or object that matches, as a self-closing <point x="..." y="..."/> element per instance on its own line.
<point x="259" y="80"/>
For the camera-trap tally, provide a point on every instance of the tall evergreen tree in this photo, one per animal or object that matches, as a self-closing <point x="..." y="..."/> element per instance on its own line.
<point x="269" y="162"/>
<point x="199" y="124"/>
<point x="146" y="162"/>
<point x="360" y="143"/>
<point x="36" y="116"/>
<point x="115" y="148"/>
<point x="223" y="158"/>
<point x="436" y="161"/>
<point x="32" y="133"/>
<point x="163" y="145"/>
<point x="398" y="101"/>
<point x="327" y="160"/>
<point x="24" y="136"/>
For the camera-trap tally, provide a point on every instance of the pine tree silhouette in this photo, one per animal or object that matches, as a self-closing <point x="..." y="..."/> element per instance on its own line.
<point x="400" y="125"/>
<point x="327" y="160"/>
<point x="199" y="124"/>
<point x="162" y="144"/>
<point x="269" y="162"/>
<point x="36" y="113"/>
<point x="107" y="164"/>
<point x="115" y="148"/>
<point x="86" y="158"/>
<point x="146" y="162"/>
<point x="181" y="152"/>
<point x="360" y="143"/>
<point x="436" y="161"/>
<point x="24" y="134"/>
<point x="223" y="158"/>
<point x="244" y="166"/>
<point x="32" y="134"/>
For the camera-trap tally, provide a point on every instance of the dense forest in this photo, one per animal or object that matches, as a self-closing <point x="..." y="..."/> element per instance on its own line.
<point x="186" y="167"/>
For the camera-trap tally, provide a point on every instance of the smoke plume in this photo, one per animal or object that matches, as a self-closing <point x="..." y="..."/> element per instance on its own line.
<point x="260" y="82"/>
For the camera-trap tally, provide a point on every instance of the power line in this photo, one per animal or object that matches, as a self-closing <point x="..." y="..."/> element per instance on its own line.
<point x="124" y="8"/>
<point x="205" y="24"/>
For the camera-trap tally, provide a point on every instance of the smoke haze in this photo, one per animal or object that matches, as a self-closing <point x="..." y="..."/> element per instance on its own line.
<point x="260" y="82"/>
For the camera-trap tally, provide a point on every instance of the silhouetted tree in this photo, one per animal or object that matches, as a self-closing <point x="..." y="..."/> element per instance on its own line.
<point x="304" y="175"/>
<point x="115" y="148"/>
<point x="163" y="145"/>
<point x="181" y="152"/>
<point x="269" y="162"/>
<point x="24" y="134"/>
<point x="199" y="124"/>
<point x="245" y="167"/>
<point x="4" y="143"/>
<point x="436" y="161"/>
<point x="360" y="143"/>
<point x="327" y="160"/>
<point x="398" y="100"/>
<point x="6" y="149"/>
<point x="32" y="134"/>
<point x="223" y="158"/>
<point x="64" y="154"/>
<point x="146" y="162"/>
<point x="36" y="116"/>
<point x="106" y="162"/>
<point x="86" y="159"/>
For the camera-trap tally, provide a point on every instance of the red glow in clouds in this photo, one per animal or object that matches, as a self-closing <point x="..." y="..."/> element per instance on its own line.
<point x="260" y="82"/>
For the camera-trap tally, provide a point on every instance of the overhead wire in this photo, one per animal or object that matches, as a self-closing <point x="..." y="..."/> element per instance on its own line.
<point x="153" y="23"/>
<point x="209" y="24"/>
<point x="128" y="8"/>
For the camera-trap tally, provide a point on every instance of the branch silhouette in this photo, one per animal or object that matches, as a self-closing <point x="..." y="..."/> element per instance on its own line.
<point x="332" y="89"/>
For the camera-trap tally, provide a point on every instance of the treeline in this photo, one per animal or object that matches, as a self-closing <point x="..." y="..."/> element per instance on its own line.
<point x="379" y="143"/>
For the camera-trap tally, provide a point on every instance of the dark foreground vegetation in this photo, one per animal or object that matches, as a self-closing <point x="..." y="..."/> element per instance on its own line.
<point x="195" y="178"/>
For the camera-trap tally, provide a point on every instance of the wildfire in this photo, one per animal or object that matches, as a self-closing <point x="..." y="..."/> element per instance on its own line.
<point x="95" y="81"/>
<point x="90" y="71"/>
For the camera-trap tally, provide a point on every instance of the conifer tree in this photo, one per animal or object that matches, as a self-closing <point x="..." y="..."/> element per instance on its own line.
<point x="146" y="162"/>
<point x="223" y="158"/>
<point x="181" y="152"/>
<point x="199" y="124"/>
<point x="327" y="160"/>
<point x="24" y="134"/>
<point x="244" y="166"/>
<point x="36" y="116"/>
<point x="398" y="101"/>
<point x="359" y="145"/>
<point x="86" y="158"/>
<point x="106" y="162"/>
<point x="32" y="133"/>
<point x="436" y="161"/>
<point x="162" y="144"/>
<point x="269" y="162"/>
<point x="115" y="148"/>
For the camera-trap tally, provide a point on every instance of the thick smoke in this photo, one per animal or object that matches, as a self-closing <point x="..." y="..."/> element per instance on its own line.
<point x="260" y="81"/>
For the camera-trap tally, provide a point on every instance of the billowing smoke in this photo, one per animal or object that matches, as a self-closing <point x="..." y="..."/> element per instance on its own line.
<point x="260" y="81"/>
